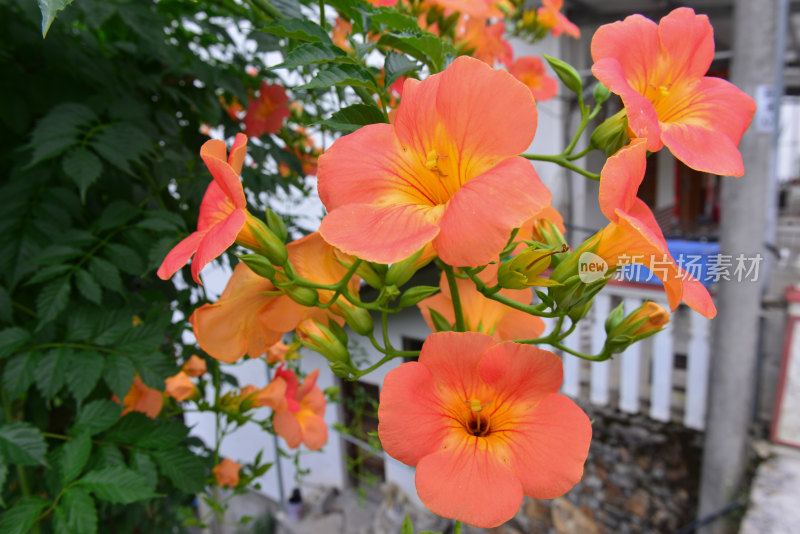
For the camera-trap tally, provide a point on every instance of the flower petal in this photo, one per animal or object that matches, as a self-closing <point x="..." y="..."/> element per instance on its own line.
<point x="238" y="152"/>
<point x="412" y="422"/>
<point x="217" y="240"/>
<point x="621" y="177"/>
<point x="453" y="357"/>
<point x="315" y="431"/>
<point x="696" y="296"/>
<point x="520" y="374"/>
<point x="634" y="44"/>
<point x="478" y="220"/>
<point x="214" y="155"/>
<point x="383" y="234"/>
<point x="468" y="482"/>
<point x="288" y="427"/>
<point x="517" y="324"/>
<point x="180" y="255"/>
<point x="548" y="447"/>
<point x="687" y="40"/>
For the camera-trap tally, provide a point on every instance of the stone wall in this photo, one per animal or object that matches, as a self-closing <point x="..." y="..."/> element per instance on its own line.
<point x="641" y="476"/>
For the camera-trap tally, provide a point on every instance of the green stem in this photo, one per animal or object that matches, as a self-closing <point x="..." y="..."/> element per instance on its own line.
<point x="488" y="292"/>
<point x="562" y="160"/>
<point x="322" y="13"/>
<point x="601" y="357"/>
<point x="580" y="154"/>
<point x="267" y="9"/>
<point x="455" y="298"/>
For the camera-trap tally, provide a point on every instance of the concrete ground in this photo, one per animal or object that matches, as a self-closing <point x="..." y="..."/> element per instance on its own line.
<point x="775" y="495"/>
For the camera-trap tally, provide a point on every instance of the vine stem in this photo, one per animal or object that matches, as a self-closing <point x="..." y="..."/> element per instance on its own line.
<point x="455" y="298"/>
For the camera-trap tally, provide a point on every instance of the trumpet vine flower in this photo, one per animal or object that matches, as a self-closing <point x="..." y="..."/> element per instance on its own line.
<point x="659" y="71"/>
<point x="226" y="473"/>
<point x="484" y="425"/>
<point x="267" y="113"/>
<point x="144" y="399"/>
<point x="446" y="172"/>
<point x="634" y="234"/>
<point x="482" y="314"/>
<point x="299" y="415"/>
<point x="549" y="16"/>
<point x="530" y="71"/>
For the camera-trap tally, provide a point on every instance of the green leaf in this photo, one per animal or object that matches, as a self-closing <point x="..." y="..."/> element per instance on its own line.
<point x="117" y="484"/>
<point x="122" y="143"/>
<point x="11" y="339"/>
<point x="83" y="167"/>
<point x="341" y="74"/>
<point x="95" y="417"/>
<point x="145" y="466"/>
<point x="74" y="455"/>
<point x="88" y="287"/>
<point x="3" y="475"/>
<point x="59" y="130"/>
<point x="354" y="117"/>
<point x="567" y="74"/>
<point x="154" y="368"/>
<point x="407" y="527"/>
<point x="57" y="254"/>
<point x="77" y="512"/>
<point x="22" y="444"/>
<point x="52" y="300"/>
<point x="423" y="46"/>
<point x="440" y="324"/>
<point x="300" y="29"/>
<point x="125" y="258"/>
<point x="106" y="273"/>
<point x="83" y="372"/>
<point x="396" y="66"/>
<point x="49" y="8"/>
<point x="116" y="214"/>
<point x="139" y="430"/>
<point x="118" y="374"/>
<point x="6" y="313"/>
<point x="312" y="53"/>
<point x="50" y="372"/>
<point x="19" y="373"/>
<point x="183" y="468"/>
<point x="48" y="273"/>
<point x="390" y="20"/>
<point x="22" y="516"/>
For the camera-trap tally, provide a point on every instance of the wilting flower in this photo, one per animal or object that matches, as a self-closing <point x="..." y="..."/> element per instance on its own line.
<point x="659" y="73"/>
<point x="530" y="71"/>
<point x="444" y="172"/>
<point x="180" y="387"/>
<point x="227" y="473"/>
<point x="251" y="315"/>
<point x="195" y="366"/>
<point x="485" y="40"/>
<point x="223" y="212"/>
<point x="482" y="314"/>
<point x="550" y="16"/>
<point x="484" y="425"/>
<point x="300" y="411"/>
<point x="634" y="235"/>
<point x="267" y="113"/>
<point x="144" y="399"/>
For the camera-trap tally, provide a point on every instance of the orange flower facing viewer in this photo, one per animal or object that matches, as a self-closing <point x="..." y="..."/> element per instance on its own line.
<point x="299" y="414"/>
<point x="482" y="314"/>
<point x="530" y="71"/>
<point x="659" y="71"/>
<point x="267" y="113"/>
<point x="550" y="16"/>
<point x="223" y="212"/>
<point x="195" y="366"/>
<point x="227" y="473"/>
<point x="180" y="387"/>
<point x="634" y="233"/>
<point x="484" y="425"/>
<point x="445" y="172"/>
<point x="141" y="398"/>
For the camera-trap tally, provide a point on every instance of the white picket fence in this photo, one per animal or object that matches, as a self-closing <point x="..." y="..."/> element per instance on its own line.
<point x="665" y="376"/>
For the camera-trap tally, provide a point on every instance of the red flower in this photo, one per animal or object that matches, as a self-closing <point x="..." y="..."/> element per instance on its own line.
<point x="658" y="70"/>
<point x="484" y="425"/>
<point x="267" y="113"/>
<point x="445" y="172"/>
<point x="300" y="411"/>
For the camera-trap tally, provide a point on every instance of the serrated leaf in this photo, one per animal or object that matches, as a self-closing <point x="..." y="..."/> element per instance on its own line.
<point x="120" y="144"/>
<point x="354" y="117"/>
<point x="19" y="373"/>
<point x="57" y="254"/>
<point x="12" y="339"/>
<point x="423" y="46"/>
<point x="154" y="368"/>
<point x="52" y="300"/>
<point x="125" y="258"/>
<point x="77" y="512"/>
<point x="300" y="29"/>
<point x="112" y="327"/>
<point x="145" y="466"/>
<point x="83" y="371"/>
<point x="22" y="444"/>
<point x="117" y="484"/>
<point x="143" y="339"/>
<point x="48" y="273"/>
<point x="567" y="74"/>
<point x="6" y="314"/>
<point x="391" y="20"/>
<point x="312" y="53"/>
<point x="142" y="431"/>
<point x="59" y="130"/>
<point x="106" y="273"/>
<point x="49" y="8"/>
<point x="116" y="214"/>
<point x="22" y="516"/>
<point x="96" y="417"/>
<point x="83" y="167"/>
<point x="74" y="455"/>
<point x="50" y="372"/>
<point x="107" y="455"/>
<point x="88" y="287"/>
<point x="183" y="468"/>
<point x="118" y="374"/>
<point x="341" y="74"/>
<point x="396" y="66"/>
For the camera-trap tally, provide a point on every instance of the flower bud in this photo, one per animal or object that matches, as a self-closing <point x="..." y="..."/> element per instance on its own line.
<point x="645" y="321"/>
<point x="612" y="134"/>
<point x="258" y="264"/>
<point x="276" y="224"/>
<point x="358" y="319"/>
<point x="268" y="243"/>
<point x="364" y="270"/>
<point x="401" y="272"/>
<point x="524" y="269"/>
<point x="323" y="340"/>
<point x="416" y="294"/>
<point x="600" y="93"/>
<point x="305" y="296"/>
